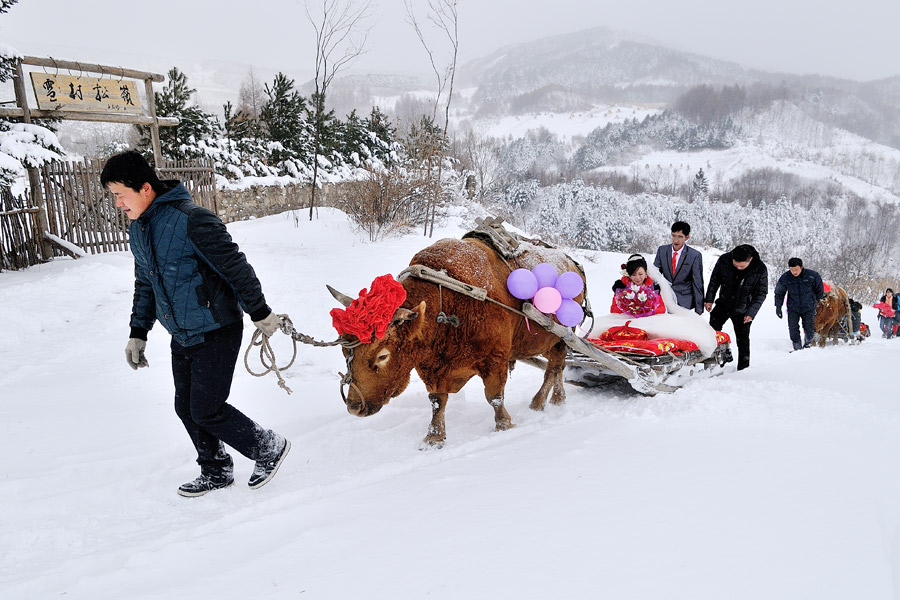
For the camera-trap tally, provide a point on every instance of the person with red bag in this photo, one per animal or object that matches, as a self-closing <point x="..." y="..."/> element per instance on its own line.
<point x="887" y="314"/>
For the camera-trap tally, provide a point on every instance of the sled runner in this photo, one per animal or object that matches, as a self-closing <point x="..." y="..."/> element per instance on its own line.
<point x="650" y="366"/>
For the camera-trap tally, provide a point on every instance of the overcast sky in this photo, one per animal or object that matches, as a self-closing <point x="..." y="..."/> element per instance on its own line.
<point x="856" y="40"/>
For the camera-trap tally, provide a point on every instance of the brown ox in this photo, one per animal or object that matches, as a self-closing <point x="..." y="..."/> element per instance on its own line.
<point x="486" y="342"/>
<point x="830" y="310"/>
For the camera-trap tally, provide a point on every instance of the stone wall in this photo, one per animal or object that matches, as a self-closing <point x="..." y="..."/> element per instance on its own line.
<point x="262" y="200"/>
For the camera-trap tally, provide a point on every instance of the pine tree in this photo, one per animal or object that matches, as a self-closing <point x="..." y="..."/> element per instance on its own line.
<point x="7" y="63"/>
<point x="700" y="185"/>
<point x="181" y="141"/>
<point x="354" y="138"/>
<point x="328" y="127"/>
<point x="383" y="135"/>
<point x="283" y="117"/>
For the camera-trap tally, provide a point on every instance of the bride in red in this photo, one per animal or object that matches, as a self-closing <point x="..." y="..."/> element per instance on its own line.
<point x="636" y="294"/>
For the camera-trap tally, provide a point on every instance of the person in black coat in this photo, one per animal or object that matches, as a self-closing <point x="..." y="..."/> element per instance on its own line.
<point x="804" y="289"/>
<point x="742" y="281"/>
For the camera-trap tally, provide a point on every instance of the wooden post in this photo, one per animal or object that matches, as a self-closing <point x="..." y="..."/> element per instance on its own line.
<point x="154" y="128"/>
<point x="34" y="179"/>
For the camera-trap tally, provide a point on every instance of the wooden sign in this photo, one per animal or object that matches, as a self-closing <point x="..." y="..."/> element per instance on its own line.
<point x="85" y="94"/>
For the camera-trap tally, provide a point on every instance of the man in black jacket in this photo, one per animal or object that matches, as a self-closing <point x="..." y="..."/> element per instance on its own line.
<point x="804" y="289"/>
<point x="193" y="279"/>
<point x="742" y="280"/>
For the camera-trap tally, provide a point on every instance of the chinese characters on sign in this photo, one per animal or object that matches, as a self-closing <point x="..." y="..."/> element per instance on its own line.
<point x="85" y="94"/>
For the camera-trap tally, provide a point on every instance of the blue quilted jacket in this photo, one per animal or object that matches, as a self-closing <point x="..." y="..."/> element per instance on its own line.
<point x="187" y="271"/>
<point x="803" y="292"/>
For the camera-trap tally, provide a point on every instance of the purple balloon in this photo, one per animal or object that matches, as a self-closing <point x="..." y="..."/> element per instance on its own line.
<point x="569" y="313"/>
<point x="569" y="285"/>
<point x="522" y="284"/>
<point x="547" y="300"/>
<point x="546" y="275"/>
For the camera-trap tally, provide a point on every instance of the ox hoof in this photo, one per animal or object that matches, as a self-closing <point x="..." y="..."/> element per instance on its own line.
<point x="430" y="445"/>
<point x="535" y="405"/>
<point x="504" y="425"/>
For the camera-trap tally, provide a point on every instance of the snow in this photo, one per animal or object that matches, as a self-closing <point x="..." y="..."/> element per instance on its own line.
<point x="780" y="481"/>
<point x="66" y="244"/>
<point x="564" y="125"/>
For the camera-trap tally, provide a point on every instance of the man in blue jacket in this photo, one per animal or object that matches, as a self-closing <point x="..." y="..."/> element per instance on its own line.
<point x="191" y="277"/>
<point x="804" y="289"/>
<point x="682" y="266"/>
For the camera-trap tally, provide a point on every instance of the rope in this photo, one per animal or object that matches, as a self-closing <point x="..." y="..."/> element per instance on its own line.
<point x="267" y="354"/>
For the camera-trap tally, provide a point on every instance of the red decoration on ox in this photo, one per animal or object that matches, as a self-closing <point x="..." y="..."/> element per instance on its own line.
<point x="372" y="311"/>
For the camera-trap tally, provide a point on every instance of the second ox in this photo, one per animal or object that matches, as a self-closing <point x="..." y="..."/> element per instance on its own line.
<point x="449" y="337"/>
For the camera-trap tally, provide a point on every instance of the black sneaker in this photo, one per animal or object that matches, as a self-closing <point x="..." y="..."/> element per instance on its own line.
<point x="266" y="469"/>
<point x="204" y="484"/>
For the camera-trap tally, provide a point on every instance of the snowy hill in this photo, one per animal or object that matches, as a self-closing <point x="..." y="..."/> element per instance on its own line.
<point x="778" y="482"/>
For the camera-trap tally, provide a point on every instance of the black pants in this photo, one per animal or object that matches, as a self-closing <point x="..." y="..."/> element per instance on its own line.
<point x="809" y="331"/>
<point x="203" y="375"/>
<point x="717" y="317"/>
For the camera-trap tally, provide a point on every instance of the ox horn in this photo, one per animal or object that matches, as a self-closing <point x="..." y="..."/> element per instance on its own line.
<point x="342" y="298"/>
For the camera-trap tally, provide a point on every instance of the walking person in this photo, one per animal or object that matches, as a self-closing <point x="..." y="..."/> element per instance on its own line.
<point x="194" y="279"/>
<point x="742" y="281"/>
<point x="682" y="266"/>
<point x="888" y="316"/>
<point x="804" y="289"/>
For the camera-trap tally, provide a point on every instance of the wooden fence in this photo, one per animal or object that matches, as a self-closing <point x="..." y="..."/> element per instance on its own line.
<point x="198" y="176"/>
<point x="19" y="234"/>
<point x="82" y="212"/>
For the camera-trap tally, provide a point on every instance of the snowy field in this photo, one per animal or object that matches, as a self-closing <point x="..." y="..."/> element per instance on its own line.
<point x="778" y="482"/>
<point x="565" y="126"/>
<point x="721" y="166"/>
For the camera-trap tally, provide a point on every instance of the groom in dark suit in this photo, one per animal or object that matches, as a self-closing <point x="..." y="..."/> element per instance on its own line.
<point x="682" y="267"/>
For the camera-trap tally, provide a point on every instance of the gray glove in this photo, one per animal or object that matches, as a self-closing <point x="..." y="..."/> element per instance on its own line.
<point x="134" y="353"/>
<point x="269" y="325"/>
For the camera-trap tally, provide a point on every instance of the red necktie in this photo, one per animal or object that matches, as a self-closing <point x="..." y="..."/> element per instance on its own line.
<point x="674" y="262"/>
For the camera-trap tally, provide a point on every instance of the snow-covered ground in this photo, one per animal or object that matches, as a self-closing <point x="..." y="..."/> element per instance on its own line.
<point x="566" y="126"/>
<point x="781" y="481"/>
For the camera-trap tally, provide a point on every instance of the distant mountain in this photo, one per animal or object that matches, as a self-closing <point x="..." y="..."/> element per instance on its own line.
<point x="598" y="65"/>
<point x="575" y="71"/>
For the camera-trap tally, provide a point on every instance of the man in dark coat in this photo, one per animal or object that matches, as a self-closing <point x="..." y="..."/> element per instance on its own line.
<point x="804" y="289"/>
<point x="192" y="277"/>
<point x="682" y="266"/>
<point x="742" y="280"/>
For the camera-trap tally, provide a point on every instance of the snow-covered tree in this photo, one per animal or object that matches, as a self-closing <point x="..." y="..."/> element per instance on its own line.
<point x="283" y="117"/>
<point x="21" y="145"/>
<point x="700" y="185"/>
<point x="182" y="140"/>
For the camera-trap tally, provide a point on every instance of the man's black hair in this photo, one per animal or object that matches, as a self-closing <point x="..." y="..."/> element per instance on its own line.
<point x="132" y="170"/>
<point x="795" y="262"/>
<point x="682" y="227"/>
<point x="741" y="253"/>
